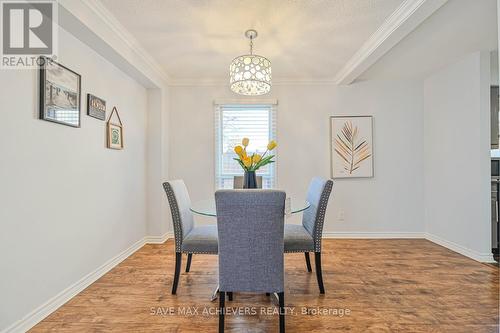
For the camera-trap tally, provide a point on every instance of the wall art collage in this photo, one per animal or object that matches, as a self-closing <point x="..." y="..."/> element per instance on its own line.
<point x="60" y="101"/>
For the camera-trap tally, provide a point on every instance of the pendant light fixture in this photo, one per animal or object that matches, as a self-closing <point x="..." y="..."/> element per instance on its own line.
<point x="250" y="74"/>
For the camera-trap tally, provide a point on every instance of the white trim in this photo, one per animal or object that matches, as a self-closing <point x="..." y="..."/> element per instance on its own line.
<point x="97" y="17"/>
<point x="158" y="239"/>
<point x="481" y="257"/>
<point x="246" y="101"/>
<point x="122" y="32"/>
<point x="223" y="82"/>
<point x="37" y="315"/>
<point x="92" y="23"/>
<point x="406" y="18"/>
<point x="478" y="256"/>
<point x="60" y="299"/>
<point x="373" y="235"/>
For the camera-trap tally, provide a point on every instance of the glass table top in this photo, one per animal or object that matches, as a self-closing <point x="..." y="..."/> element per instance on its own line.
<point x="207" y="207"/>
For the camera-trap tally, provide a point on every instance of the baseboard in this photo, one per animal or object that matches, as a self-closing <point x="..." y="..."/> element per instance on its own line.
<point x="375" y="235"/>
<point x="158" y="239"/>
<point x="481" y="257"/>
<point x="478" y="256"/>
<point x="53" y="304"/>
<point x="57" y="301"/>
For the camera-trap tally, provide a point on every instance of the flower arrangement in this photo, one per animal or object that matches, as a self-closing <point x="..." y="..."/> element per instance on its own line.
<point x="254" y="162"/>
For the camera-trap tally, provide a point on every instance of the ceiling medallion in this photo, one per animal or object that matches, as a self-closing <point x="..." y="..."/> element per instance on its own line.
<point x="250" y="74"/>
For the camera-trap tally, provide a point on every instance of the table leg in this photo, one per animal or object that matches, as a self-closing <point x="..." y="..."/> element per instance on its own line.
<point x="276" y="299"/>
<point x="215" y="294"/>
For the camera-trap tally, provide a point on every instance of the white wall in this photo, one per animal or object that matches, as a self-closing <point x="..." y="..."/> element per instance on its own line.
<point x="67" y="204"/>
<point x="456" y="155"/>
<point x="158" y="217"/>
<point x="494" y="68"/>
<point x="391" y="202"/>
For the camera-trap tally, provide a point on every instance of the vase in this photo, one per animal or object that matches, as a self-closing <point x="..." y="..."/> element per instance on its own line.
<point x="249" y="181"/>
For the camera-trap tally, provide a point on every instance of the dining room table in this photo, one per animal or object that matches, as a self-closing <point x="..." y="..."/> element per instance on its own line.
<point x="207" y="207"/>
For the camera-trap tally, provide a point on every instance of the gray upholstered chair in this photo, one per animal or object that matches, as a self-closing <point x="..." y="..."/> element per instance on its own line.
<point x="307" y="236"/>
<point x="188" y="237"/>
<point x="238" y="182"/>
<point x="250" y="225"/>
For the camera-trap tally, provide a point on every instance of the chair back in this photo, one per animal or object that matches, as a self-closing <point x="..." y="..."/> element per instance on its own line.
<point x="250" y="225"/>
<point x="314" y="217"/>
<point x="238" y="182"/>
<point x="180" y="204"/>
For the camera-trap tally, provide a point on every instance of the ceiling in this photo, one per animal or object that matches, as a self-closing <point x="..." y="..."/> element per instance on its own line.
<point x="305" y="40"/>
<point x="456" y="29"/>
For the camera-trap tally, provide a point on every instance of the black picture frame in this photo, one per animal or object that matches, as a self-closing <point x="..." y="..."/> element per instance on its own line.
<point x="51" y="115"/>
<point x="96" y="112"/>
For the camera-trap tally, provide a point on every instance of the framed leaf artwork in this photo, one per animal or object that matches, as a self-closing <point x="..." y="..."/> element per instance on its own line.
<point x="115" y="131"/>
<point x="351" y="151"/>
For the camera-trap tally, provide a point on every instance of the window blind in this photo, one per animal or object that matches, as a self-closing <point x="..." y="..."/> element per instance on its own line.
<point x="233" y="122"/>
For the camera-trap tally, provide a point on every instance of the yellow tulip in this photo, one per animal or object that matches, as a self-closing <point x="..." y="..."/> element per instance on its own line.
<point x="245" y="142"/>
<point x="271" y="145"/>
<point x="247" y="162"/>
<point x="238" y="150"/>
<point x="256" y="158"/>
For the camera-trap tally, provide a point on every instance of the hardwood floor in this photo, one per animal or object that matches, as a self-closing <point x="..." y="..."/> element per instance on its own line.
<point x="404" y="285"/>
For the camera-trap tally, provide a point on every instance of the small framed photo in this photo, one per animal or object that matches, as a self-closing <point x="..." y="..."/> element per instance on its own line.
<point x="60" y="90"/>
<point x="96" y="107"/>
<point x="351" y="142"/>
<point x="114" y="131"/>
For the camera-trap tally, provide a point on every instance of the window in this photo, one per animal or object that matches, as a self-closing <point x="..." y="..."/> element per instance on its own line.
<point x="234" y="122"/>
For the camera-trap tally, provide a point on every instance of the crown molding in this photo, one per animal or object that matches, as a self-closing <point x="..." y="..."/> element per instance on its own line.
<point x="125" y="36"/>
<point x="113" y="40"/>
<point x="237" y="101"/>
<point x="406" y="18"/>
<point x="221" y="82"/>
<point x="398" y="25"/>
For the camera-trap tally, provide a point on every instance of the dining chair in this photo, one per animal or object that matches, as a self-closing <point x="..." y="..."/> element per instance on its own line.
<point x="189" y="238"/>
<point x="238" y="182"/>
<point x="306" y="237"/>
<point x="250" y="226"/>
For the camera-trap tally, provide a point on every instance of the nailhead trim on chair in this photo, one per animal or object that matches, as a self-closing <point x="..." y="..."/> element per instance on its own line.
<point x="299" y="251"/>
<point x="197" y="252"/>
<point x="320" y="217"/>
<point x="176" y="218"/>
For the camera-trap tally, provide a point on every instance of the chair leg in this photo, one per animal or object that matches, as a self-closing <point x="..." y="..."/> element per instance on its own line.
<point x="281" y="298"/>
<point x="221" y="311"/>
<point x="188" y="264"/>
<point x="319" y="274"/>
<point x="308" y="262"/>
<point x="178" y="259"/>
<point x="230" y="295"/>
<point x="268" y="294"/>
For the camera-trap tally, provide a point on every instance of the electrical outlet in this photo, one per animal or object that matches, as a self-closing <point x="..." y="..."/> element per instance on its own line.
<point x="341" y="215"/>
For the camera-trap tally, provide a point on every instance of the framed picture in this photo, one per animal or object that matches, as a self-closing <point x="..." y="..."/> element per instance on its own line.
<point x="96" y="107"/>
<point x="351" y="151"/>
<point x="114" y="131"/>
<point x="60" y="90"/>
